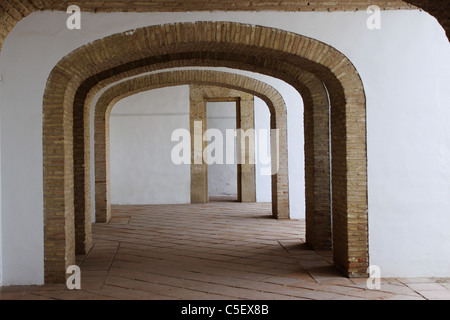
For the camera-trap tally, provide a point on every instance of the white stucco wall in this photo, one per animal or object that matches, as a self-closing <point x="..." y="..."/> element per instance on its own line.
<point x="142" y="171"/>
<point x="263" y="181"/>
<point x="406" y="73"/>
<point x="143" y="123"/>
<point x="1" y="235"/>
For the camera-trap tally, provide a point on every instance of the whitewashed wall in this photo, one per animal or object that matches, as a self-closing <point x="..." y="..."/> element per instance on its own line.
<point x="143" y="123"/>
<point x="263" y="181"/>
<point x="406" y="73"/>
<point x="142" y="171"/>
<point x="1" y="233"/>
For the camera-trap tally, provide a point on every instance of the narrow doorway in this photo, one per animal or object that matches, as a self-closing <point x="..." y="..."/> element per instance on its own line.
<point x="223" y="173"/>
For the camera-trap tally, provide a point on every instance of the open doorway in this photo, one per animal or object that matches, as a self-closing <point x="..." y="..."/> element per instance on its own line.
<point x="223" y="174"/>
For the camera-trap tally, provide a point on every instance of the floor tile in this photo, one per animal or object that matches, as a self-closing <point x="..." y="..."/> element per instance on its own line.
<point x="221" y="250"/>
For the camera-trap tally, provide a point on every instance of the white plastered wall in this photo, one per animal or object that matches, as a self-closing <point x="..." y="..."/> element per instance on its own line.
<point x="142" y="171"/>
<point x="263" y="160"/>
<point x="1" y="235"/>
<point x="406" y="73"/>
<point x="143" y="123"/>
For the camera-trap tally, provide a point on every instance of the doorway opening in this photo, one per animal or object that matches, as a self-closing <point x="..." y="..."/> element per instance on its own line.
<point x="223" y="174"/>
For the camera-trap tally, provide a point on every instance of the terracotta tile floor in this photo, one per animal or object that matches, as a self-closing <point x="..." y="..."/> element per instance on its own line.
<point x="214" y="251"/>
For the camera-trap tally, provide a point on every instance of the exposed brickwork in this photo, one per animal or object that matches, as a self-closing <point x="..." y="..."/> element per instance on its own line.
<point x="199" y="169"/>
<point x="349" y="182"/>
<point x="82" y="184"/>
<point x="224" y="5"/>
<point x="12" y="11"/>
<point x="317" y="170"/>
<point x="199" y="96"/>
<point x="290" y="57"/>
<point x="84" y="111"/>
<point x="232" y="82"/>
<point x="59" y="235"/>
<point x="247" y="169"/>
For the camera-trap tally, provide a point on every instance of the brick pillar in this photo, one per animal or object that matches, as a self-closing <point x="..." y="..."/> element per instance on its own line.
<point x="82" y="187"/>
<point x="199" y="169"/>
<point x="59" y="224"/>
<point x="349" y="185"/>
<point x="102" y="167"/>
<point x="199" y="96"/>
<point x="280" y="175"/>
<point x="317" y="167"/>
<point x="246" y="171"/>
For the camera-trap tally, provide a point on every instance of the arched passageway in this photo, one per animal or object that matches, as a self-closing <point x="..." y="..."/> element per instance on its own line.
<point x="221" y="79"/>
<point x="305" y="63"/>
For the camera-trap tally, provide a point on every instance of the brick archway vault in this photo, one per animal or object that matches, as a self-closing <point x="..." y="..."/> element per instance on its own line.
<point x="275" y="102"/>
<point x="317" y="160"/>
<point x="305" y="63"/>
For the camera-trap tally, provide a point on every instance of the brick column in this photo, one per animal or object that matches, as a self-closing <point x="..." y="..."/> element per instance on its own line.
<point x="349" y="183"/>
<point x="246" y="171"/>
<point x="280" y="174"/>
<point x="59" y="223"/>
<point x="199" y="96"/>
<point x="317" y="167"/>
<point x="82" y="177"/>
<point x="102" y="168"/>
<point x="199" y="169"/>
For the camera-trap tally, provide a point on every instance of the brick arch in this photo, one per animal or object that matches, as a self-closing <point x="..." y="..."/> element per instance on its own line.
<point x="275" y="102"/>
<point x="317" y="160"/>
<point x="291" y="57"/>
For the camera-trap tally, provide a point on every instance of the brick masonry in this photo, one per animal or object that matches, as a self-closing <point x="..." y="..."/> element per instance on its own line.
<point x="229" y="83"/>
<point x="291" y="57"/>
<point x="199" y="96"/>
<point x="317" y="169"/>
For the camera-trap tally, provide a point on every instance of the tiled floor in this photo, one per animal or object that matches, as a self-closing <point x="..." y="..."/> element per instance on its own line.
<point x="215" y="251"/>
